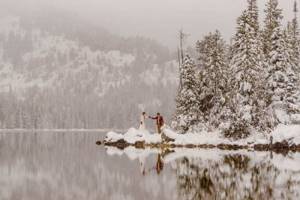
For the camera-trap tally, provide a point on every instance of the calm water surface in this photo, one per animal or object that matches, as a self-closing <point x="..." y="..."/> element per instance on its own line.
<point x="49" y="166"/>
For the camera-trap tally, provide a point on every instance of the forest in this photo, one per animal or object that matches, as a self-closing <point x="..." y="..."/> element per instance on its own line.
<point x="250" y="85"/>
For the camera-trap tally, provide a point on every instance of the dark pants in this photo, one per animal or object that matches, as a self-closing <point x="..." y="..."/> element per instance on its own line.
<point x="158" y="128"/>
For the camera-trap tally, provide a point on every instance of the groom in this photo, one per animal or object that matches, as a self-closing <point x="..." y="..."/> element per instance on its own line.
<point x="159" y="122"/>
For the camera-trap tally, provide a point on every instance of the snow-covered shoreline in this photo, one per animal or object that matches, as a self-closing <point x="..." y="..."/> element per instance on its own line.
<point x="288" y="135"/>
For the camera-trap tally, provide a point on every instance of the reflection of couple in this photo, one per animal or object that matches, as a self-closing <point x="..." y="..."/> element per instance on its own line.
<point x="159" y="165"/>
<point x="159" y="121"/>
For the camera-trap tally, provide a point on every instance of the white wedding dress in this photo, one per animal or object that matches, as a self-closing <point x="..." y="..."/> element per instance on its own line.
<point x="142" y="123"/>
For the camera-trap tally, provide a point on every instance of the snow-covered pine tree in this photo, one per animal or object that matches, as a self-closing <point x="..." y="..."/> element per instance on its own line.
<point x="272" y="22"/>
<point x="293" y="42"/>
<point x="213" y="79"/>
<point x="293" y="32"/>
<point x="292" y="90"/>
<point x="247" y="95"/>
<point x="186" y="101"/>
<point x="281" y="77"/>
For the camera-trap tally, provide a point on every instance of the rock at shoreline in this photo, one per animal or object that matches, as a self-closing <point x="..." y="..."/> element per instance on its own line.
<point x="139" y="144"/>
<point x="120" y="144"/>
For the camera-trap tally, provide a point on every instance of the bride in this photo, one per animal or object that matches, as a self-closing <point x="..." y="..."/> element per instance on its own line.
<point x="142" y="122"/>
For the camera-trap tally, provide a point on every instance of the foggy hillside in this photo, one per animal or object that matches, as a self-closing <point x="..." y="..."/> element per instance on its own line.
<point x="58" y="71"/>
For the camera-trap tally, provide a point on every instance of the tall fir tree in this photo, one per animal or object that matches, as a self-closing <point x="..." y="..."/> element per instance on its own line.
<point x="247" y="95"/>
<point x="293" y="31"/>
<point x="187" y="102"/>
<point x="293" y="40"/>
<point x="213" y="79"/>
<point x="280" y="63"/>
<point x="272" y="23"/>
<point x="292" y="90"/>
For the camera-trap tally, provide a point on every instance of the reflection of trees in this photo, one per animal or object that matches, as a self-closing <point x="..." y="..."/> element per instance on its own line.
<point x="194" y="179"/>
<point x="233" y="177"/>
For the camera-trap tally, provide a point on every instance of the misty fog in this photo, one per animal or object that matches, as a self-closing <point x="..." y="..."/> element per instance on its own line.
<point x="156" y="19"/>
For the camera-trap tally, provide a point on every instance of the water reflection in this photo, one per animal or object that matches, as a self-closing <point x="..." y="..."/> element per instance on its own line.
<point x="70" y="166"/>
<point x="239" y="176"/>
<point x="63" y="166"/>
<point x="216" y="174"/>
<point x="159" y="165"/>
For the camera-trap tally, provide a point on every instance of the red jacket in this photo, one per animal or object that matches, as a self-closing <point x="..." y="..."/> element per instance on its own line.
<point x="159" y="120"/>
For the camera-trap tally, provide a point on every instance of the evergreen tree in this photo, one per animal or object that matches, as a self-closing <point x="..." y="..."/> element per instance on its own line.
<point x="281" y="80"/>
<point x="293" y="32"/>
<point x="293" y="42"/>
<point x="291" y="98"/>
<point x="272" y="23"/>
<point x="186" y="101"/>
<point x="213" y="78"/>
<point x="247" y="95"/>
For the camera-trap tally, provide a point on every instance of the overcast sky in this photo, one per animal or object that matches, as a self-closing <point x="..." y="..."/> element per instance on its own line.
<point x="159" y="19"/>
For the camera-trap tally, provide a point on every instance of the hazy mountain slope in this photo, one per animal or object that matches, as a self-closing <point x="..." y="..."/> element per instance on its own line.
<point x="58" y="72"/>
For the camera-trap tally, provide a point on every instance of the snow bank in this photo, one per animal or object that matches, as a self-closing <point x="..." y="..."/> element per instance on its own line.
<point x="295" y="118"/>
<point x="133" y="135"/>
<point x="213" y="138"/>
<point x="112" y="136"/>
<point x="289" y="133"/>
<point x="194" y="138"/>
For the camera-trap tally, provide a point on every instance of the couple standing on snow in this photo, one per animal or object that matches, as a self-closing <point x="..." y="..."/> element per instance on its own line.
<point x="159" y="122"/>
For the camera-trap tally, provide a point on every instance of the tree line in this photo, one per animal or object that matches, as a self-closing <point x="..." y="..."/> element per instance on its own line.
<point x="247" y="86"/>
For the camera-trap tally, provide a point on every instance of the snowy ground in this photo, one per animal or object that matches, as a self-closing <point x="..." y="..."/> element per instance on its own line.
<point x="289" y="133"/>
<point x="133" y="135"/>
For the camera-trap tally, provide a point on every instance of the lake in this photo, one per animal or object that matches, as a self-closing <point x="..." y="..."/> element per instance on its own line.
<point x="66" y="165"/>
